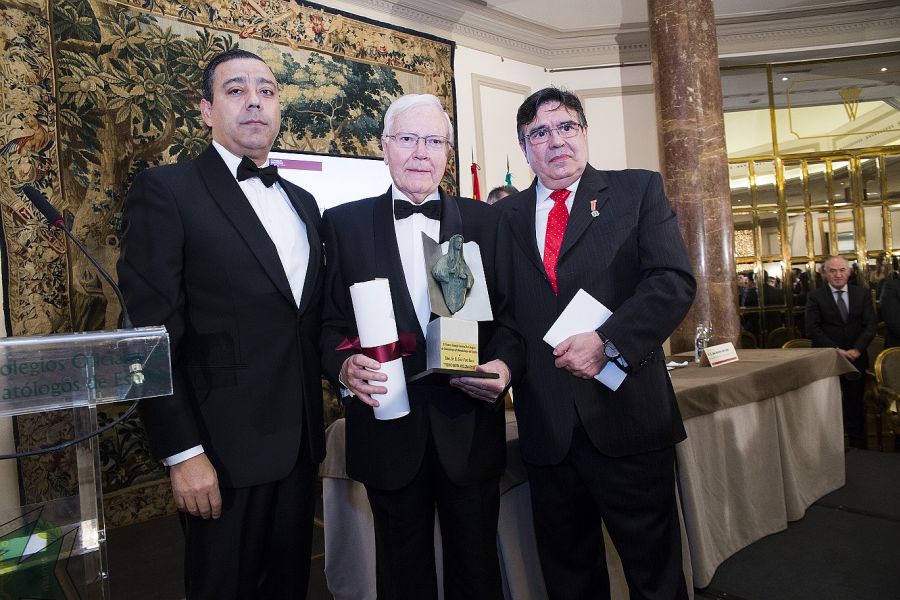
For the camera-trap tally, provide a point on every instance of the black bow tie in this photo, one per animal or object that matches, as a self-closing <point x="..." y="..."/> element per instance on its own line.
<point x="431" y="209"/>
<point x="247" y="169"/>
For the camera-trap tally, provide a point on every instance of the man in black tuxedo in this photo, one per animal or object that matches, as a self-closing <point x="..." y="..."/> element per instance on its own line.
<point x="449" y="451"/>
<point x="841" y="316"/>
<point x="227" y="256"/>
<point x="593" y="453"/>
<point x="890" y="311"/>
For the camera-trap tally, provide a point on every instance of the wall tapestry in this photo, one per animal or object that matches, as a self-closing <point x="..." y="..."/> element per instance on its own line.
<point x="94" y="91"/>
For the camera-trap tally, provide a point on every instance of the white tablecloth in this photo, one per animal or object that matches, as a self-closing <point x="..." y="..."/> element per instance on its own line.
<point x="745" y="471"/>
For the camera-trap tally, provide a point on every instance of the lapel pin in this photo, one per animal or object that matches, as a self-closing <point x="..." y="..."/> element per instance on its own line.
<point x="594" y="212"/>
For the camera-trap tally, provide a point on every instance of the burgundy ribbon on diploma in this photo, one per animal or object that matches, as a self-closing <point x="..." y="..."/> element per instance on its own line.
<point x="404" y="346"/>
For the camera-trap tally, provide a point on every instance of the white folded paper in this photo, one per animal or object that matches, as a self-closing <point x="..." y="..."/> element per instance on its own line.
<point x="585" y="313"/>
<point x="377" y="326"/>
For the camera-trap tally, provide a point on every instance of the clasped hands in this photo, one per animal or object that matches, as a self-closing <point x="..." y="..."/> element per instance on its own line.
<point x="851" y="354"/>
<point x="361" y="374"/>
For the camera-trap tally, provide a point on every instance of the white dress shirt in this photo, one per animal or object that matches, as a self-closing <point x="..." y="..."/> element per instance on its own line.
<point x="287" y="231"/>
<point x="409" y="240"/>
<point x="542" y="210"/>
<point x="845" y="297"/>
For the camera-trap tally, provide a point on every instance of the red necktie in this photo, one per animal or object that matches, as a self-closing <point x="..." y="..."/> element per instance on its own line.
<point x="556" y="228"/>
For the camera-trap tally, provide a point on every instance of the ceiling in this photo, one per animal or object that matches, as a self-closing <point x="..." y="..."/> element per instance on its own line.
<point x="571" y="34"/>
<point x="576" y="15"/>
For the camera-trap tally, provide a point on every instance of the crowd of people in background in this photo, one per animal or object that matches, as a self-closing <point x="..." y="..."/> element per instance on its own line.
<point x="775" y="297"/>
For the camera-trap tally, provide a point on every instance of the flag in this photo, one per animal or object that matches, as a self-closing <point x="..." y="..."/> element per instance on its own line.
<point x="476" y="189"/>
<point x="508" y="174"/>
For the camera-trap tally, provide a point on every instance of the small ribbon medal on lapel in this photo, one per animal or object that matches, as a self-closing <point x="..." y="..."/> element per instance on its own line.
<point x="594" y="212"/>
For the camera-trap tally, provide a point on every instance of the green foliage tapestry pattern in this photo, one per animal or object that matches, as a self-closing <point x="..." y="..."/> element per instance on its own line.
<point x="94" y="91"/>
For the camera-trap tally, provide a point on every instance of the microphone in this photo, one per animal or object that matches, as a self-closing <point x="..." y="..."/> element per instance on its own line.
<point x="43" y="205"/>
<point x="55" y="219"/>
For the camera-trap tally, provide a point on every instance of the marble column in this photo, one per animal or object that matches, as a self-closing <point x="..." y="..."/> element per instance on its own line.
<point x="691" y="127"/>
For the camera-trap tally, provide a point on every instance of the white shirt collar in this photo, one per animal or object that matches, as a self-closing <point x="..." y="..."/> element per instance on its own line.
<point x="543" y="192"/>
<point x="398" y="195"/>
<point x="231" y="160"/>
<point x="834" y="289"/>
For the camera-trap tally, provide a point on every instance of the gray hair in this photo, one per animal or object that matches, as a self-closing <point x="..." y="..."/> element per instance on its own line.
<point x="404" y="103"/>
<point x="834" y="257"/>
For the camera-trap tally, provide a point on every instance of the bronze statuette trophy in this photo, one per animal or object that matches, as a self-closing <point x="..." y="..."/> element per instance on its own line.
<point x="451" y="343"/>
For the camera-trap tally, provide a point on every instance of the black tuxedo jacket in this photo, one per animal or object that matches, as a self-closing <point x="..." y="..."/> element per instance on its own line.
<point x="632" y="258"/>
<point x="826" y="329"/>
<point x="890" y="312"/>
<point x="246" y="366"/>
<point x="468" y="434"/>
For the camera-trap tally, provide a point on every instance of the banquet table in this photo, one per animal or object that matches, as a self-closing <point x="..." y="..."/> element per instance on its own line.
<point x="765" y="440"/>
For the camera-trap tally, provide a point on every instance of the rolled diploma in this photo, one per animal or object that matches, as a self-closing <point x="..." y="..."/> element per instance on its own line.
<point x="377" y="326"/>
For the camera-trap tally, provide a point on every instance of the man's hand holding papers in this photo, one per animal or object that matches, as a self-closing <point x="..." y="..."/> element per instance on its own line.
<point x="580" y="319"/>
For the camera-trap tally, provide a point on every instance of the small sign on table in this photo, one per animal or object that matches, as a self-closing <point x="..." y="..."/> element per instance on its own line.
<point x="718" y="355"/>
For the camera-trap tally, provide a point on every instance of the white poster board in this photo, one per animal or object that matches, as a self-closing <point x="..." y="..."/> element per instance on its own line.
<point x="333" y="180"/>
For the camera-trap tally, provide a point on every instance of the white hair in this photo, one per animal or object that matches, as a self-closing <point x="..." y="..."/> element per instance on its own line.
<point x="404" y="103"/>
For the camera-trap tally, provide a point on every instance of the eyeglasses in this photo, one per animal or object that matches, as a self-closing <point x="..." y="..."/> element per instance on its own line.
<point x="542" y="135"/>
<point x="411" y="140"/>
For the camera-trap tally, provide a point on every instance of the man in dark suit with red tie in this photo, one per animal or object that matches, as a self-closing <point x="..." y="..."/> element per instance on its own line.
<point x="841" y="316"/>
<point x="448" y="453"/>
<point x="593" y="453"/>
<point x="227" y="256"/>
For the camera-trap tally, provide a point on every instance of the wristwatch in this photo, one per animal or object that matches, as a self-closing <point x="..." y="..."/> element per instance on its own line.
<point x="613" y="355"/>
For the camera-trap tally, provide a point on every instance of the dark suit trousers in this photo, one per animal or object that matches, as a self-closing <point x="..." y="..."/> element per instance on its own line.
<point x="854" y="409"/>
<point x="634" y="496"/>
<point x="260" y="547"/>
<point x="404" y="536"/>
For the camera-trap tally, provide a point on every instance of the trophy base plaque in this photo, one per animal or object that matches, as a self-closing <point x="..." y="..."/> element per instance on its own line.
<point x="451" y="350"/>
<point x="445" y="375"/>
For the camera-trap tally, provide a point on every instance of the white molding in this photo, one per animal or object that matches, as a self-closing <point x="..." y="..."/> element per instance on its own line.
<point x="479" y="82"/>
<point x="840" y="28"/>
<point x="615" y="91"/>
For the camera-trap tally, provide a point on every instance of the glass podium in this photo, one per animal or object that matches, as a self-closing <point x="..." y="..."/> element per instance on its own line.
<point x="56" y="549"/>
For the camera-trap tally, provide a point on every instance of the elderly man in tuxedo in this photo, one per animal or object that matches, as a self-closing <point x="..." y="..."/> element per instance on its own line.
<point x="227" y="256"/>
<point x="841" y="316"/>
<point x="592" y="453"/>
<point x="448" y="453"/>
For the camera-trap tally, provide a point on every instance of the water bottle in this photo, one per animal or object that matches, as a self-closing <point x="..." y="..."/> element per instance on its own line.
<point x="701" y="339"/>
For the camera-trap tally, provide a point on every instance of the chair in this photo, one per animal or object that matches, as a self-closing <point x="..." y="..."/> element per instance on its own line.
<point x="874" y="349"/>
<point x="887" y="381"/>
<point x="870" y="394"/>
<point x="797" y="343"/>
<point x="748" y="340"/>
<point x="778" y="336"/>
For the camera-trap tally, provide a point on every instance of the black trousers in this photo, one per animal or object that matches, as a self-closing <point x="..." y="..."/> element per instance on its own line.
<point x="404" y="536"/>
<point x="854" y="410"/>
<point x="635" y="498"/>
<point x="260" y="547"/>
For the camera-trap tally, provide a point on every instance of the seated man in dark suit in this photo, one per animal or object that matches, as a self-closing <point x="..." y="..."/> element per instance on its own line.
<point x="890" y="312"/>
<point x="841" y="316"/>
